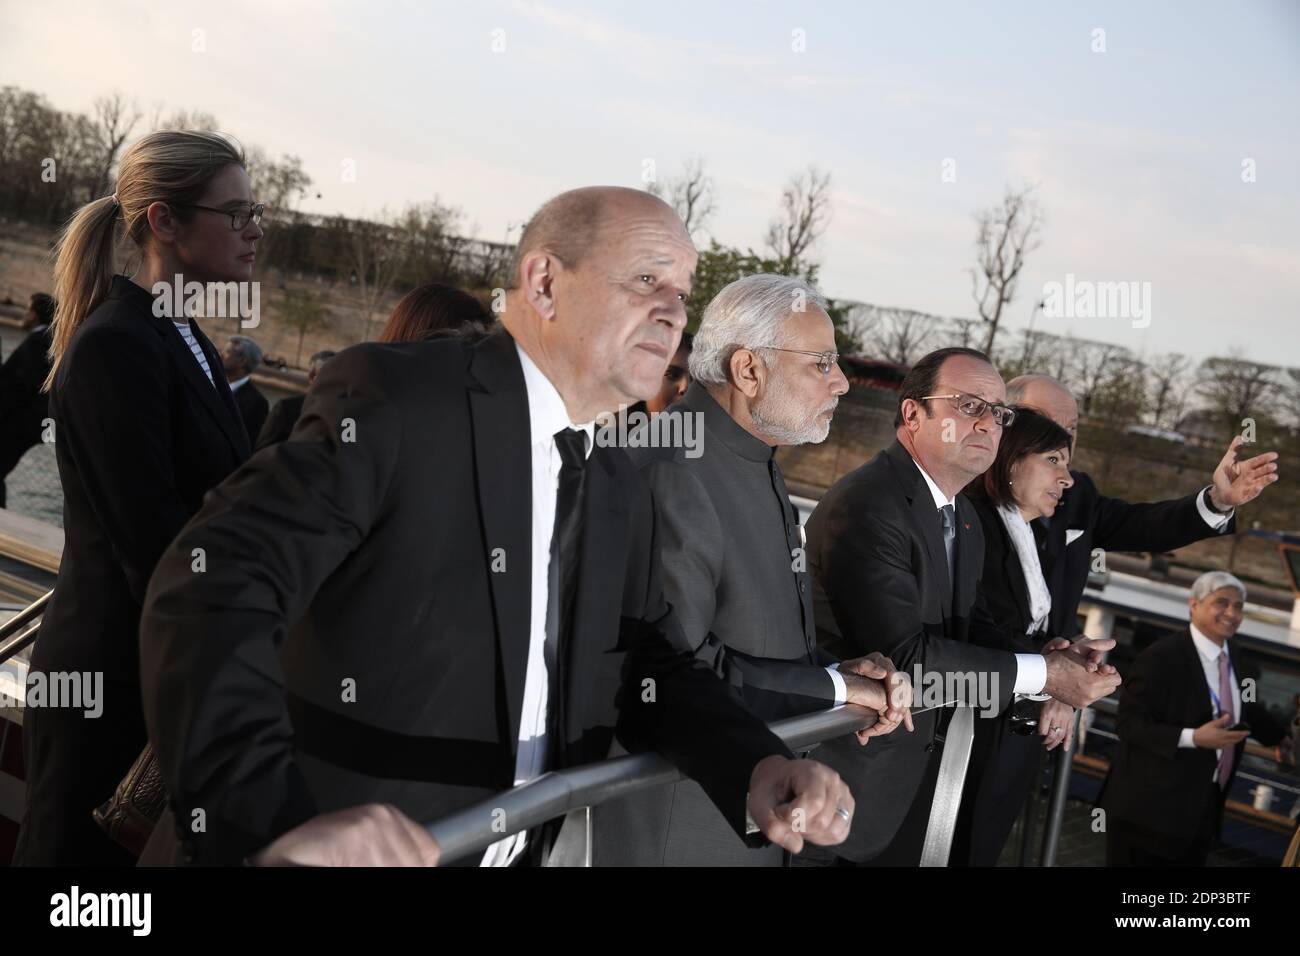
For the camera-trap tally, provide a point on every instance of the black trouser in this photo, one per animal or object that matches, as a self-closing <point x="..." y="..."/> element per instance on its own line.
<point x="73" y="764"/>
<point x="1003" y="768"/>
<point x="1129" y="844"/>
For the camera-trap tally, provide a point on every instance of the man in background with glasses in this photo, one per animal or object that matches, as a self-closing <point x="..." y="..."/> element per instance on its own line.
<point x="897" y="554"/>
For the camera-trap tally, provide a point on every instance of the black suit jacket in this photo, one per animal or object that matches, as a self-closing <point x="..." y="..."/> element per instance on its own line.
<point x="253" y="408"/>
<point x="361" y="632"/>
<point x="1161" y="790"/>
<point x="1112" y="525"/>
<point x="141" y="434"/>
<point x="875" y="547"/>
<point x="280" y="422"/>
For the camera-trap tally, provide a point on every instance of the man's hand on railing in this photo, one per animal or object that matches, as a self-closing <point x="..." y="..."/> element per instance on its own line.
<point x="375" y="834"/>
<point x="1075" y="674"/>
<point x="876" y="684"/>
<point x="796" y="800"/>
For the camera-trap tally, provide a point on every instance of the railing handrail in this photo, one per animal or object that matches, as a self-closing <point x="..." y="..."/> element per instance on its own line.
<point x="21" y="629"/>
<point x="474" y="828"/>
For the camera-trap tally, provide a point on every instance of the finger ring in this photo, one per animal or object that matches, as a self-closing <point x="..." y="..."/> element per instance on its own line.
<point x="841" y="812"/>
<point x="1056" y="730"/>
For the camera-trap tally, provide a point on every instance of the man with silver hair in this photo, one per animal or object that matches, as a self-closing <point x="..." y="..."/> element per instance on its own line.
<point x="1184" y="716"/>
<point x="241" y="358"/>
<point x="764" y="374"/>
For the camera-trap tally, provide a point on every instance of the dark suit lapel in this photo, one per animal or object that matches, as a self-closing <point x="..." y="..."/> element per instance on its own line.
<point x="926" y="517"/>
<point x="498" y="402"/>
<point x="1012" y="570"/>
<point x="1200" y="706"/>
<point x="208" y="393"/>
<point x="223" y="388"/>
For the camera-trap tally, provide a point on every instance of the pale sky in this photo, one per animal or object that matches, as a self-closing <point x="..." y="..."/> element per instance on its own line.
<point x="1138" y="150"/>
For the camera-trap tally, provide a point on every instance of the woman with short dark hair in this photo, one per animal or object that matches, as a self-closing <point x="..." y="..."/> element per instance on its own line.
<point x="435" y="309"/>
<point x="1025" y="483"/>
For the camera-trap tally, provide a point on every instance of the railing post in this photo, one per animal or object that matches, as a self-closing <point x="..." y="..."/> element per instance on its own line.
<point x="1029" y="817"/>
<point x="1060" y="790"/>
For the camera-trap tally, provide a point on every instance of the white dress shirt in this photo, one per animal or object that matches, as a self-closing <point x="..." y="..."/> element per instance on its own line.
<point x="546" y="416"/>
<point x="1209" y="652"/>
<point x="1215" y="521"/>
<point x="1031" y="669"/>
<point x="234" y="386"/>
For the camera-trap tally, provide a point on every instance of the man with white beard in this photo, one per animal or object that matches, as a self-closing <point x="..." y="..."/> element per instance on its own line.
<point x="764" y="374"/>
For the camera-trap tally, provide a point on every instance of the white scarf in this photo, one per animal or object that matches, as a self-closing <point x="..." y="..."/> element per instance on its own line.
<point x="1022" y="539"/>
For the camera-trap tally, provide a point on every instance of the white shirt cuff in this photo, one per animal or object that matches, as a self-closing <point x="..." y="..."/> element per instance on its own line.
<point x="841" y="689"/>
<point x="1185" y="739"/>
<point x="1215" y="521"/>
<point x="1031" y="673"/>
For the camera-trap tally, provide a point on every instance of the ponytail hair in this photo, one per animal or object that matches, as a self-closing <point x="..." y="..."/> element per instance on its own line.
<point x="172" y="167"/>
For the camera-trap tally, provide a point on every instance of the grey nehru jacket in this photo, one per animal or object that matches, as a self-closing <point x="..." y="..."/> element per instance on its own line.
<point x="729" y="537"/>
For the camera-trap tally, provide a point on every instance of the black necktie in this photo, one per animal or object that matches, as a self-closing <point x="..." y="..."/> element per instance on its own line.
<point x="562" y="575"/>
<point x="949" y="533"/>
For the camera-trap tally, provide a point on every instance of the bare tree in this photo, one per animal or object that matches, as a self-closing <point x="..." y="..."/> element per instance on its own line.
<point x="303" y="312"/>
<point x="374" y="252"/>
<point x="691" y="194"/>
<point x="1167" y="375"/>
<point x="438" y="250"/>
<point x="1092" y="366"/>
<point x="114" y="119"/>
<point x="861" y="322"/>
<point x="184" y="119"/>
<point x="1291" y="396"/>
<point x="1039" y="352"/>
<point x="1120" y="395"/>
<point x="805" y="213"/>
<point x="961" y="332"/>
<point x="904" y="335"/>
<point x="1005" y="234"/>
<point x="1235" y="388"/>
<point x="487" y="265"/>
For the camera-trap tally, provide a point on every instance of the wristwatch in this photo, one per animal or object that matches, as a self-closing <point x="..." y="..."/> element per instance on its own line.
<point x="1209" y="502"/>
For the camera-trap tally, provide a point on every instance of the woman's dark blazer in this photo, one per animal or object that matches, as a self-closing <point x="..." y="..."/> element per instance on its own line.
<point x="1002" y="764"/>
<point x="1003" y="591"/>
<point x="141" y="434"/>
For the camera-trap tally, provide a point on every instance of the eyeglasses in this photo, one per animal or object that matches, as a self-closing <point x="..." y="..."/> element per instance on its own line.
<point x="238" y="217"/>
<point x="972" y="406"/>
<point x="825" y="360"/>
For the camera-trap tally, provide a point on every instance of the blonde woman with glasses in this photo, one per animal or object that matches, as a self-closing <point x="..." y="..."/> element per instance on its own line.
<point x="144" y="425"/>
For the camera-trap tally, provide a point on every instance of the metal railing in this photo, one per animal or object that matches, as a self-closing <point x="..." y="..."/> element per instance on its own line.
<point x="20" y="630"/>
<point x="473" y="829"/>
